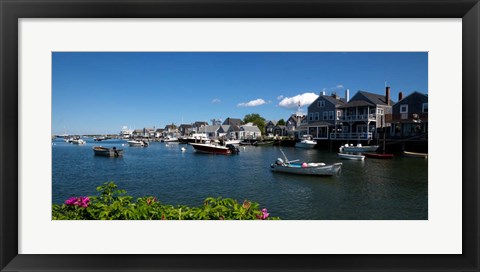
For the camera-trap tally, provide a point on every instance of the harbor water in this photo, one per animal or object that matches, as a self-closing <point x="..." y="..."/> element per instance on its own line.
<point x="373" y="189"/>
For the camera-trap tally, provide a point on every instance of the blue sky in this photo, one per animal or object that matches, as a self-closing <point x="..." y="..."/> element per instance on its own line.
<point x="99" y="92"/>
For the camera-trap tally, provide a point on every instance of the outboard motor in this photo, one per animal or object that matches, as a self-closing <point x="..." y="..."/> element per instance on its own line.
<point x="232" y="148"/>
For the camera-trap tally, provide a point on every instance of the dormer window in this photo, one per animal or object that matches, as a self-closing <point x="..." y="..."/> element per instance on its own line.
<point x="403" y="108"/>
<point x="321" y="103"/>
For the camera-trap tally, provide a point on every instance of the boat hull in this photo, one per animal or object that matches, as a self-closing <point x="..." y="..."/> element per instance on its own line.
<point x="415" y="155"/>
<point x="136" y="143"/>
<point x="305" y="145"/>
<point x="107" y="152"/>
<point x="351" y="157"/>
<point x="378" y="156"/>
<point x="297" y="169"/>
<point x="211" y="149"/>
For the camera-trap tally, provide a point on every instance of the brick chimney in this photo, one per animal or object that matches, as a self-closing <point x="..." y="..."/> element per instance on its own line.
<point x="400" y="96"/>
<point x="387" y="95"/>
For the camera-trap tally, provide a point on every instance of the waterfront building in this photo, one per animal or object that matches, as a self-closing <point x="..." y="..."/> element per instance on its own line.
<point x="170" y="131"/>
<point x="185" y="129"/>
<point x="269" y="126"/>
<point x="229" y="132"/>
<point x="210" y="131"/>
<point x="159" y="132"/>
<point x="323" y="115"/>
<point x="294" y="125"/>
<point x="126" y="133"/>
<point x="138" y="133"/>
<point x="249" y="131"/>
<point x="280" y="130"/>
<point x="409" y="119"/>
<point x="362" y="116"/>
<point x="197" y="125"/>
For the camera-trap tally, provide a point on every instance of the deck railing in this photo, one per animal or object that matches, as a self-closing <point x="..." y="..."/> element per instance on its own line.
<point x="352" y="136"/>
<point x="360" y="117"/>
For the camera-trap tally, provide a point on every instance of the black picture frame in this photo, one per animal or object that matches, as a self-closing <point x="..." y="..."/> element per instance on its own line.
<point x="11" y="11"/>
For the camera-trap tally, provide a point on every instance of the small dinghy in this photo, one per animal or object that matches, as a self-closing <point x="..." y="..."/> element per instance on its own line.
<point x="311" y="168"/>
<point x="107" y="152"/>
<point x="351" y="156"/>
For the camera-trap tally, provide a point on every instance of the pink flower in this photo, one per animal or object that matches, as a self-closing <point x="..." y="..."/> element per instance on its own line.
<point x="265" y="213"/>
<point x="78" y="201"/>
<point x="70" y="201"/>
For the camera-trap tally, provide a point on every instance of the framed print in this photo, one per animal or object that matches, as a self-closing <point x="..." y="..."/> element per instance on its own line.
<point x="74" y="73"/>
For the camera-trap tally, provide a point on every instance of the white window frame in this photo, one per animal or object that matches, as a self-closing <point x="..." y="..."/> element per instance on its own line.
<point x="331" y="115"/>
<point x="339" y="114"/>
<point x="424" y="105"/>
<point x="317" y="116"/>
<point x="380" y="111"/>
<point x="321" y="103"/>
<point x="310" y="117"/>
<point x="402" y="107"/>
<point x="325" y="115"/>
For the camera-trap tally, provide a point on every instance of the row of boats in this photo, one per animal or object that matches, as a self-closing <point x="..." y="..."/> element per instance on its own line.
<point x="359" y="152"/>
<point x="285" y="165"/>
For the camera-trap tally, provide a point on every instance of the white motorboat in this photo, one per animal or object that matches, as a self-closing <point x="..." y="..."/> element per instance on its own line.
<point x="351" y="156"/>
<point x="78" y="141"/>
<point x="215" y="148"/>
<point x="306" y="142"/>
<point x="358" y="148"/>
<point x="136" y="143"/>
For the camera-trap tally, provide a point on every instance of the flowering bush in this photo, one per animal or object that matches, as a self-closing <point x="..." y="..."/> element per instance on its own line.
<point x="114" y="204"/>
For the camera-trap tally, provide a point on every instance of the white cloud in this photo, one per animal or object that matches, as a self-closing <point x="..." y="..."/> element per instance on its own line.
<point x="280" y="97"/>
<point x="253" y="103"/>
<point x="216" y="100"/>
<point x="292" y="102"/>
<point x="339" y="86"/>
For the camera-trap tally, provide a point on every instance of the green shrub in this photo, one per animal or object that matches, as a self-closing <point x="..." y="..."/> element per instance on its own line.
<point x="115" y="204"/>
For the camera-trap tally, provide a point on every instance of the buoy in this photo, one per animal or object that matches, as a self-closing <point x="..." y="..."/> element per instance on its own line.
<point x="183" y="148"/>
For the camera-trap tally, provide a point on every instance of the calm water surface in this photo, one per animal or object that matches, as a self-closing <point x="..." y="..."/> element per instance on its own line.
<point x="372" y="189"/>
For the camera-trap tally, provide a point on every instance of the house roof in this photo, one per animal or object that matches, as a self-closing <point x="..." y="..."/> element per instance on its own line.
<point x="200" y="123"/>
<point x="235" y="128"/>
<point x="225" y="128"/>
<point x="414" y="93"/>
<point x="358" y="103"/>
<point x="233" y="121"/>
<point x="209" y="129"/>
<point x="185" y="126"/>
<point x="272" y="121"/>
<point x="333" y="100"/>
<point x="376" y="99"/>
<point x="280" y="126"/>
